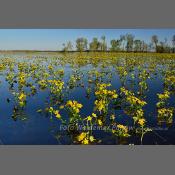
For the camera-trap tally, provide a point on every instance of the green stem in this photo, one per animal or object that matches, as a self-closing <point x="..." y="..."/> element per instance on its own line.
<point x="142" y="136"/>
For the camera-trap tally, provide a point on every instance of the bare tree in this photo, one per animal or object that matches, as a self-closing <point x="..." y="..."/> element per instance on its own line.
<point x="122" y="41"/>
<point x="81" y="44"/>
<point x="155" y="40"/>
<point x="67" y="47"/>
<point x="130" y="42"/>
<point x="103" y="43"/>
<point x="115" y="45"/>
<point x="137" y="45"/>
<point x="173" y="43"/>
<point x="94" y="45"/>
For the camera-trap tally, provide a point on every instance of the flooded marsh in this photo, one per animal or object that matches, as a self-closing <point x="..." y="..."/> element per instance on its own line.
<point x="87" y="98"/>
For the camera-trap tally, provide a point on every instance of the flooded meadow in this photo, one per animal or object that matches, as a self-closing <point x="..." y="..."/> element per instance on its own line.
<point x="49" y="98"/>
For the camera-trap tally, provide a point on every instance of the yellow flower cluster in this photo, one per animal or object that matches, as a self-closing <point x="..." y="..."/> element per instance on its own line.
<point x="131" y="98"/>
<point x="21" y="78"/>
<point x="90" y="117"/>
<point x="74" y="105"/>
<point x="103" y="96"/>
<point x="106" y="92"/>
<point x="60" y="72"/>
<point x="50" y="67"/>
<point x="22" y="66"/>
<point x="46" y="75"/>
<point x="170" y="79"/>
<point x="56" y="86"/>
<point x="136" y="104"/>
<point x="125" y="91"/>
<point x="10" y="76"/>
<point x="99" y="121"/>
<point x="72" y="79"/>
<point x="22" y="99"/>
<point x="85" y="139"/>
<point x="56" y="83"/>
<point x="22" y="96"/>
<point x="122" y="127"/>
<point x="144" y="75"/>
<point x="122" y="131"/>
<point x="165" y="112"/>
<point x="103" y="86"/>
<point x="139" y="113"/>
<point x="164" y="96"/>
<point x="2" y="66"/>
<point x="42" y="83"/>
<point x="141" y="122"/>
<point x="135" y="101"/>
<point x="100" y="105"/>
<point x="122" y="71"/>
<point x="33" y="67"/>
<point x="55" y="112"/>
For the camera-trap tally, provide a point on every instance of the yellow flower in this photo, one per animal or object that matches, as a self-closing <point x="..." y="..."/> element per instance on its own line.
<point x="62" y="106"/>
<point x="79" y="105"/>
<point x="69" y="103"/>
<point x="81" y="136"/>
<point x="125" y="91"/>
<point x="115" y="96"/>
<point x="165" y="112"/>
<point x="50" y="67"/>
<point x="139" y="113"/>
<point x="103" y="92"/>
<point x="42" y="83"/>
<point x="22" y="96"/>
<point x="122" y="127"/>
<point x="100" y="104"/>
<point x="89" y="118"/>
<point x="112" y="117"/>
<point x="51" y="109"/>
<point x="141" y="122"/>
<point x="85" y="141"/>
<point x="57" y="114"/>
<point x="164" y="96"/>
<point x="94" y="115"/>
<point x="76" y="110"/>
<point x="135" y="101"/>
<point x="91" y="138"/>
<point x="99" y="122"/>
<point x="74" y="105"/>
<point x="56" y="86"/>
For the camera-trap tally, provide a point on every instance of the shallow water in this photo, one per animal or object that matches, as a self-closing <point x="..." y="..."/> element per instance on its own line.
<point x="31" y="127"/>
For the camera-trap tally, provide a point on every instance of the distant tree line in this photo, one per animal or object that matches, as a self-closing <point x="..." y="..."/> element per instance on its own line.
<point x="126" y="43"/>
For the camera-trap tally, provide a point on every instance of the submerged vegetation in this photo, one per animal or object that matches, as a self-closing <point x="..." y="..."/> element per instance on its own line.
<point x="91" y="98"/>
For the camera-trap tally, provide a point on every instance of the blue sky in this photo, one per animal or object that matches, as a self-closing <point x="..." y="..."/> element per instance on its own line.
<point x="52" y="39"/>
